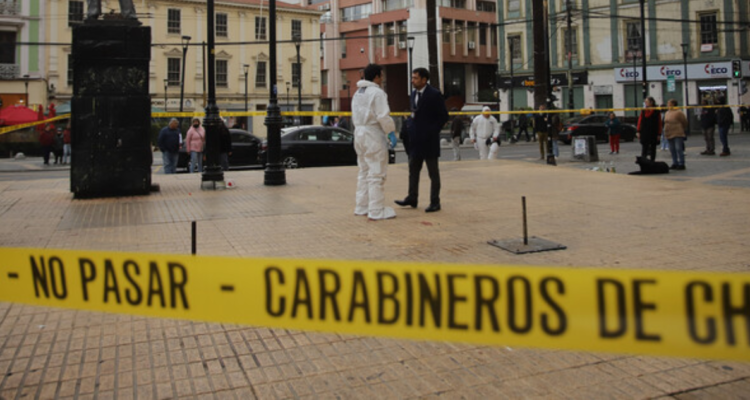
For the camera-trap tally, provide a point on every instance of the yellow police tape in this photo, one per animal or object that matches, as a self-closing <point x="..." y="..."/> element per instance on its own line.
<point x="685" y="314"/>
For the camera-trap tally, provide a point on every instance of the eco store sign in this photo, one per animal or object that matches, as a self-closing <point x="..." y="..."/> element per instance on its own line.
<point x="661" y="72"/>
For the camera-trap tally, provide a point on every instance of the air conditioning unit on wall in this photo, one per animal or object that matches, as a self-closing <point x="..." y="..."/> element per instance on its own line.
<point x="472" y="45"/>
<point x="401" y="45"/>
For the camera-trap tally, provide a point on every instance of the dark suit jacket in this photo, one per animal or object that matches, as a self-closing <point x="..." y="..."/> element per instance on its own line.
<point x="429" y="119"/>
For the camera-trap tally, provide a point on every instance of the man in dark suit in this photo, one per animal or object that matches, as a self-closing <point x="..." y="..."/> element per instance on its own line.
<point x="429" y="116"/>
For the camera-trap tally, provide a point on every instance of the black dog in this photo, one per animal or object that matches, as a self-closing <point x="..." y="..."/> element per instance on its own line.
<point x="649" y="167"/>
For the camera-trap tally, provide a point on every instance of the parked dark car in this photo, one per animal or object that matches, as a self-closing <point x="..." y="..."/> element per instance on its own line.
<point x="317" y="146"/>
<point x="245" y="149"/>
<point x="593" y="125"/>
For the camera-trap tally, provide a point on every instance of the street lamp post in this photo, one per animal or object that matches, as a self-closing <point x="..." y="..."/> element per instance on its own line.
<point x="685" y="49"/>
<point x="26" y="84"/>
<point x="212" y="176"/>
<point x="274" y="174"/>
<point x="246" y="70"/>
<point x="643" y="50"/>
<point x="297" y="44"/>
<point x="569" y="53"/>
<point x="510" y="59"/>
<point x="410" y="40"/>
<point x="185" y="42"/>
<point x="288" y="104"/>
<point x="166" y="86"/>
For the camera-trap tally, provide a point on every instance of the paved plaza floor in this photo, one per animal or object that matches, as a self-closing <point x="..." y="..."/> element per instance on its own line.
<point x="605" y="220"/>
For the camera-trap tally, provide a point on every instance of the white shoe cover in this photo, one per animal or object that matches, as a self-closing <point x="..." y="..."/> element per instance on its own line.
<point x="385" y="213"/>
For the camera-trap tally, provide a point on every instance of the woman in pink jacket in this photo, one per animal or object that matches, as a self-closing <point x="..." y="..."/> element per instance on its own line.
<point x="195" y="141"/>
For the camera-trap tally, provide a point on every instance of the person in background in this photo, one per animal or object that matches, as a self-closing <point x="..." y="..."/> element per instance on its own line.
<point x="169" y="142"/>
<point x="541" y="129"/>
<point x="523" y="126"/>
<point x="195" y="142"/>
<point x="344" y="123"/>
<point x="724" y="121"/>
<point x="46" y="140"/>
<point x="708" y="125"/>
<point x="555" y="126"/>
<point x="484" y="132"/>
<point x="457" y="129"/>
<point x="649" y="129"/>
<point x="614" y="128"/>
<point x="744" y="113"/>
<point x="374" y="128"/>
<point x="664" y="142"/>
<point x="67" y="150"/>
<point x="675" y="124"/>
<point x="403" y="133"/>
<point x="57" y="148"/>
<point x="225" y="146"/>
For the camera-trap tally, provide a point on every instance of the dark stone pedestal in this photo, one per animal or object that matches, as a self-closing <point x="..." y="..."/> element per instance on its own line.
<point x="111" y="110"/>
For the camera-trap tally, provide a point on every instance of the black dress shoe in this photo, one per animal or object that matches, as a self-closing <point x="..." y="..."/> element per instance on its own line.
<point x="432" y="208"/>
<point x="405" y="202"/>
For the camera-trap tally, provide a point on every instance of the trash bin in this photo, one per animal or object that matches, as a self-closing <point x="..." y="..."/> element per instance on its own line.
<point x="584" y="149"/>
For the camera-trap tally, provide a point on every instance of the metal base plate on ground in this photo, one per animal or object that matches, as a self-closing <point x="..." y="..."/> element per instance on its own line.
<point x="535" y="245"/>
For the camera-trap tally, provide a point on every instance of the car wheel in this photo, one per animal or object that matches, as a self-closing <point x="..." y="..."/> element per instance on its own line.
<point x="291" y="162"/>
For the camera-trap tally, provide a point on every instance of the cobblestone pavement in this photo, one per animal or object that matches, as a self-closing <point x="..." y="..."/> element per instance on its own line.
<point x="606" y="220"/>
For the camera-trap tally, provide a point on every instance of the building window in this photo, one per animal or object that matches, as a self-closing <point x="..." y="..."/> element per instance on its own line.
<point x="402" y="32"/>
<point x="453" y="3"/>
<point x="356" y="12"/>
<point x="632" y="40"/>
<point x="514" y="8"/>
<point x="471" y="32"/>
<point x="390" y="5"/>
<point x="173" y="71"/>
<point x="173" y="20"/>
<point x="391" y="38"/>
<point x="515" y="43"/>
<point x="260" y="28"/>
<point x="222" y="26"/>
<point x="486" y="6"/>
<point x="446" y="31"/>
<point x="342" y="43"/>
<point x="573" y="43"/>
<point x="324" y="78"/>
<point x="296" y="74"/>
<point x="709" y="33"/>
<point x="459" y="32"/>
<point x="482" y="34"/>
<point x="222" y="72"/>
<point x="70" y="70"/>
<point x="8" y="47"/>
<point x="345" y="80"/>
<point x="260" y="74"/>
<point x="75" y="12"/>
<point x="296" y="29"/>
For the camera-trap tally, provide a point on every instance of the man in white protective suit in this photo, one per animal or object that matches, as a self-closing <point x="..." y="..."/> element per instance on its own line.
<point x="374" y="129"/>
<point x="483" y="127"/>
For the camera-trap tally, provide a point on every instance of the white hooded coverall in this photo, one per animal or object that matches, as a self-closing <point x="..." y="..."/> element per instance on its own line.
<point x="371" y="117"/>
<point x="481" y="129"/>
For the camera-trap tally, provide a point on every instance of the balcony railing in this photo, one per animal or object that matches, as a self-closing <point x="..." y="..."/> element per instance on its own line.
<point x="9" y="7"/>
<point x="9" y="71"/>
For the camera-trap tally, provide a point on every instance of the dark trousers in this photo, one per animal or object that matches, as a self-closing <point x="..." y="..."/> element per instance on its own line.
<point x="415" y="169"/>
<point x="648" y="149"/>
<point x="45" y="153"/>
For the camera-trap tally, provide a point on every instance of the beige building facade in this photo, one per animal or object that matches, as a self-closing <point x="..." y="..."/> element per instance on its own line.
<point x="242" y="64"/>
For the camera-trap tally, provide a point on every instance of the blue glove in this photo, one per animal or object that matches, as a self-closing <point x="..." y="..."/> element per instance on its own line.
<point x="392" y="138"/>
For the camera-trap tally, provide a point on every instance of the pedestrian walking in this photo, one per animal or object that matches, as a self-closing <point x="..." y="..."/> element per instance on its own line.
<point x="371" y="117"/>
<point x="57" y="147"/>
<point x="724" y="120"/>
<point x="429" y="116"/>
<point x="540" y="127"/>
<point x="169" y="142"/>
<point x="484" y="133"/>
<point x="225" y="146"/>
<point x="67" y="150"/>
<point x="195" y="142"/>
<point x="523" y="126"/>
<point x="708" y="125"/>
<point x="614" y="129"/>
<point x="457" y="130"/>
<point x="555" y="126"/>
<point x="46" y="140"/>
<point x="649" y="129"/>
<point x="664" y="145"/>
<point x="744" y="113"/>
<point x="675" y="125"/>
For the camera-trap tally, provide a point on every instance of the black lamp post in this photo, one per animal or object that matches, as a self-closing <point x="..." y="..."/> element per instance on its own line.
<point x="166" y="86"/>
<point x="185" y="42"/>
<point x="297" y="44"/>
<point x="246" y="70"/>
<point x="410" y="40"/>
<point x="212" y="176"/>
<point x="275" y="174"/>
<point x="512" y="97"/>
<point x="685" y="49"/>
<point x="644" y="79"/>
<point x="349" y="93"/>
<point x="288" y="104"/>
<point x="26" y="84"/>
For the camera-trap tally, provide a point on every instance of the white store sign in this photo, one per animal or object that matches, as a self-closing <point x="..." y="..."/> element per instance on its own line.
<point x="661" y="72"/>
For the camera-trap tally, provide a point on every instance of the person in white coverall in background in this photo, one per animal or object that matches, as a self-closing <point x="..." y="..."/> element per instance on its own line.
<point x="374" y="129"/>
<point x="483" y="127"/>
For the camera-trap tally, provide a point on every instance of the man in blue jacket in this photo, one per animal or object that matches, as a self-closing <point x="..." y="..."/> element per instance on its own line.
<point x="428" y="117"/>
<point x="169" y="141"/>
